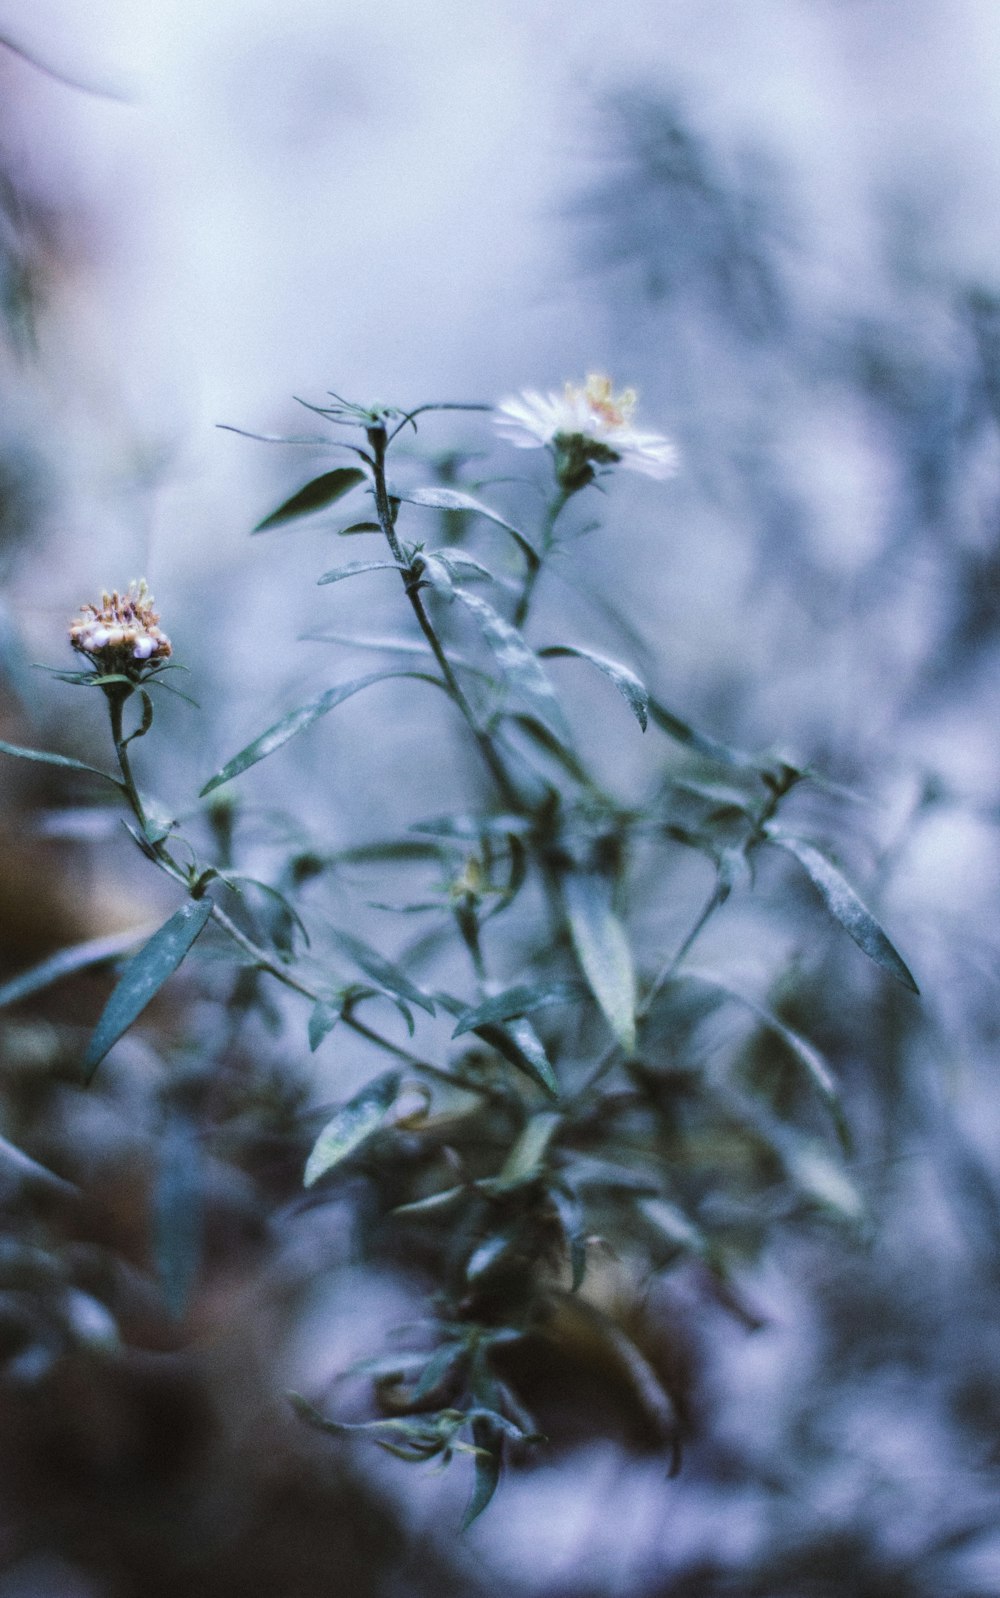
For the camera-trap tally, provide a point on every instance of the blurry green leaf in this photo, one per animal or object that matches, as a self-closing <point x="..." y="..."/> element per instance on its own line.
<point x="672" y="1224"/>
<point x="80" y="957"/>
<point x="432" y="1203"/>
<point x="177" y="1212"/>
<point x="233" y="879"/>
<point x="435" y="1371"/>
<point x="297" y="720"/>
<point x="520" y="1044"/>
<point x="570" y="1215"/>
<point x="518" y="663"/>
<point x="825" y="1181"/>
<point x="322" y="1020"/>
<point x="384" y="971"/>
<point x="516" y="1002"/>
<point x="316" y="495"/>
<point x="546" y="740"/>
<point x="631" y="688"/>
<point x="48" y="759"/>
<point x="352" y="1125"/>
<point x="454" y="499"/>
<point x="355" y="567"/>
<point x="144" y="976"/>
<point x="359" y="527"/>
<point x="602" y="950"/>
<point x="527" y="1157"/>
<point x="487" y="1467"/>
<point x="702" y="742"/>
<point x="844" y="905"/>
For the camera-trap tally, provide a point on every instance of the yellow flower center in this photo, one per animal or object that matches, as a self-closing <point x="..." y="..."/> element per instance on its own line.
<point x="614" y="410"/>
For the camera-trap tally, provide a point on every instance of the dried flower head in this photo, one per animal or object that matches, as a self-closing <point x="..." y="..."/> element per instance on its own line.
<point x="585" y="426"/>
<point x="122" y="634"/>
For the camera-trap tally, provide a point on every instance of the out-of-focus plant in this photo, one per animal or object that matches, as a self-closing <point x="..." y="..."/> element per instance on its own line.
<point x="559" y="1090"/>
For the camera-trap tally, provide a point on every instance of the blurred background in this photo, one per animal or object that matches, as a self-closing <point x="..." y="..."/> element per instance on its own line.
<point x="779" y="223"/>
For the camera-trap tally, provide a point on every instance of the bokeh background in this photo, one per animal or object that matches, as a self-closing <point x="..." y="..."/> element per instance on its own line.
<point x="779" y="222"/>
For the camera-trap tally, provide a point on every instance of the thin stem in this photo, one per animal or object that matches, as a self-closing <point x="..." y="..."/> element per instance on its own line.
<point x="715" y="899"/>
<point x="377" y="438"/>
<point x="533" y="573"/>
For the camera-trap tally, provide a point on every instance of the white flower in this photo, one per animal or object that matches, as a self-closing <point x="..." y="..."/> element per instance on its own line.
<point x="590" y="424"/>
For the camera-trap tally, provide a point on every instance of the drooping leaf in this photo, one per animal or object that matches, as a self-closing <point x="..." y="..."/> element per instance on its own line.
<point x="355" y="567"/>
<point x="560" y="752"/>
<point x="517" y="1001"/>
<point x="322" y="1020"/>
<point x="487" y="1467"/>
<point x="385" y="972"/>
<point x="177" y="1212"/>
<point x="354" y="1123"/>
<point x="602" y="950"/>
<point x="702" y="742"/>
<point x="457" y="561"/>
<point x="316" y="495"/>
<point x="518" y="663"/>
<point x="297" y="720"/>
<point x="455" y="499"/>
<point x="632" y="689"/>
<point x="80" y="957"/>
<point x="527" y="1157"/>
<point x="48" y="759"/>
<point x="844" y="905"/>
<point x="144" y="976"/>
<point x="519" y="1043"/>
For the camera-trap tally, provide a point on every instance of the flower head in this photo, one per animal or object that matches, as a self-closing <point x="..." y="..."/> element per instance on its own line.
<point x="585" y="426"/>
<point x="122" y="633"/>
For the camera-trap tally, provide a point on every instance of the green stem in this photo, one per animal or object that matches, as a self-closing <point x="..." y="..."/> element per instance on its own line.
<point x="533" y="573"/>
<point x="377" y="439"/>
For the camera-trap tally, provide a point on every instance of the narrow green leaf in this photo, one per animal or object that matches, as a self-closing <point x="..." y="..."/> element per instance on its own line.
<point x="702" y="742"/>
<point x="355" y="567"/>
<point x="297" y="720"/>
<point x="527" y="1157"/>
<point x="316" y="495"/>
<point x="352" y="1125"/>
<point x="455" y="499"/>
<point x="519" y="1043"/>
<point x="845" y="906"/>
<point x="457" y="561"/>
<point x="547" y="741"/>
<point x="384" y="971"/>
<point x="487" y="1467"/>
<point x="358" y="527"/>
<point x="144" y="976"/>
<point x="48" y="759"/>
<point x="518" y="663"/>
<point x="322" y="1020"/>
<point x="602" y="950"/>
<point x="673" y="1225"/>
<point x="177" y="1212"/>
<point x="517" y="1001"/>
<point x="80" y="957"/>
<point x="632" y="689"/>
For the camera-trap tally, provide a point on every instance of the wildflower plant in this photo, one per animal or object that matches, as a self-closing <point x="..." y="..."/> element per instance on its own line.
<point x="574" y="1105"/>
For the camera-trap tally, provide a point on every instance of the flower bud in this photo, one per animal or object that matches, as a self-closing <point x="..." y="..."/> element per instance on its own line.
<point x="122" y="634"/>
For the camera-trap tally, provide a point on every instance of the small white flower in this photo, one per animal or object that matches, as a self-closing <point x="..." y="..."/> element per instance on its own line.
<point x="586" y="424"/>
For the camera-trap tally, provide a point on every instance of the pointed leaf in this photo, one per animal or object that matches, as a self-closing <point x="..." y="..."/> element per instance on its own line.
<point x="316" y="495"/>
<point x="384" y="971"/>
<point x="322" y="1021"/>
<point x="358" y="527"/>
<point x="632" y="689"/>
<point x="845" y="906"/>
<point x="518" y="663"/>
<point x="487" y="1466"/>
<point x="517" y="1002"/>
<point x="455" y="499"/>
<point x="144" y="976"/>
<point x="48" y="759"/>
<point x="602" y="950"/>
<point x="352" y="1125"/>
<point x="355" y="567"/>
<point x="702" y="742"/>
<point x="520" y="1044"/>
<point x="297" y="720"/>
<point x="80" y="957"/>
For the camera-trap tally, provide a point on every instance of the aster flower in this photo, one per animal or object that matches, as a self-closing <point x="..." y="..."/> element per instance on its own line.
<point x="122" y="633"/>
<point x="585" y="426"/>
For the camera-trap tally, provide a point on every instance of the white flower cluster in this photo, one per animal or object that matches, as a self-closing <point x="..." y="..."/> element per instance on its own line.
<point x="591" y="417"/>
<point x="122" y="630"/>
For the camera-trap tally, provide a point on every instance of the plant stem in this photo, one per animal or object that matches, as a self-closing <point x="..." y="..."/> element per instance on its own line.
<point x="533" y="573"/>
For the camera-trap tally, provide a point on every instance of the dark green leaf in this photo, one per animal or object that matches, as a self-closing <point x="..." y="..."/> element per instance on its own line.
<point x="297" y="720"/>
<point x="177" y="1212"/>
<point x="454" y="499"/>
<point x="516" y="1002"/>
<point x="540" y="735"/>
<point x="352" y="1125"/>
<point x="632" y="689"/>
<point x="702" y="742"/>
<point x="355" y="567"/>
<point x="387" y="974"/>
<point x="322" y="491"/>
<point x="48" y="759"/>
<point x="520" y="1044"/>
<point x="359" y="527"/>
<point x="323" y="1019"/>
<point x="144" y="976"/>
<point x="81" y="957"/>
<point x="602" y="950"/>
<point x="845" y="906"/>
